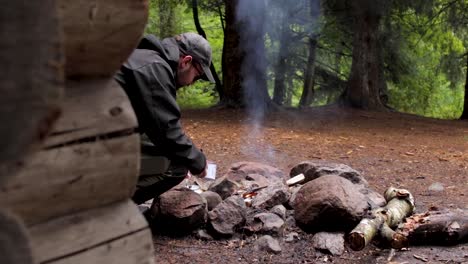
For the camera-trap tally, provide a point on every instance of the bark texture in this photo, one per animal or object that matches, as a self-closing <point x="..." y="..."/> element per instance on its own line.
<point x="309" y="81"/>
<point x="400" y="204"/>
<point x="438" y="227"/>
<point x="279" y="92"/>
<point x="232" y="58"/>
<point x="366" y="80"/>
<point x="465" y="104"/>
<point x="201" y="31"/>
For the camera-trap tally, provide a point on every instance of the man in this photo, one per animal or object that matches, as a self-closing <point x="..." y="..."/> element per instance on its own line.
<point x="150" y="77"/>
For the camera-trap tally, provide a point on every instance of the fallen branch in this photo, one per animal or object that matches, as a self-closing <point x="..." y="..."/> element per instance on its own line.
<point x="400" y="204"/>
<point x="435" y="227"/>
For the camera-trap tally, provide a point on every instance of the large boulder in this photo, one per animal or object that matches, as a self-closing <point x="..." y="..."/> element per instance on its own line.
<point x="178" y="212"/>
<point x="329" y="203"/>
<point x="315" y="169"/>
<point x="374" y="198"/>
<point x="229" y="215"/>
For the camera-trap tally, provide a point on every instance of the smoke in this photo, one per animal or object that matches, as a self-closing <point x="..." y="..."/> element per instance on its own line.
<point x="255" y="20"/>
<point x="251" y="27"/>
<point x="250" y="16"/>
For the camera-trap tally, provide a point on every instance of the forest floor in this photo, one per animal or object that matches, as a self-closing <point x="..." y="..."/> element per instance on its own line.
<point x="389" y="149"/>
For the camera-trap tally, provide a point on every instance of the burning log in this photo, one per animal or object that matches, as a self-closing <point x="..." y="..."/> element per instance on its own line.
<point x="400" y="204"/>
<point x="435" y="227"/>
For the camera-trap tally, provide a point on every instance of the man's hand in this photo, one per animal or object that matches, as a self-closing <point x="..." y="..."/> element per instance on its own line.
<point x="203" y="173"/>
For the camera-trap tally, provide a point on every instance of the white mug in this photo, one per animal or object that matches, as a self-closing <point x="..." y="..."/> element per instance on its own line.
<point x="211" y="171"/>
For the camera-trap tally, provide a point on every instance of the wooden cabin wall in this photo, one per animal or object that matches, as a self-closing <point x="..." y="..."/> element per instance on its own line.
<point x="69" y="154"/>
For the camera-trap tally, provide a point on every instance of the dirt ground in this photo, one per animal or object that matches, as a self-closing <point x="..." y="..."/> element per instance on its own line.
<point x="389" y="149"/>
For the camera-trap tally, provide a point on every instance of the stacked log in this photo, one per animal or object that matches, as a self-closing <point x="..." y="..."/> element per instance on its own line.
<point x="69" y="156"/>
<point x="400" y="204"/>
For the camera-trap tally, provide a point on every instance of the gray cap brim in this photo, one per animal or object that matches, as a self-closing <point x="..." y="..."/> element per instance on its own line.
<point x="207" y="76"/>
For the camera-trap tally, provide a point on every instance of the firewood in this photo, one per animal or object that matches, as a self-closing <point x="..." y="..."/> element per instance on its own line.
<point x="400" y="204"/>
<point x="435" y="227"/>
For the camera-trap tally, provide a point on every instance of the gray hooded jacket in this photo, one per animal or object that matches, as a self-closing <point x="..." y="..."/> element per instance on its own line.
<point x="149" y="79"/>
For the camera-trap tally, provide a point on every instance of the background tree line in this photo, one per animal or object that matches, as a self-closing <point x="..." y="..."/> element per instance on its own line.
<point x="408" y="56"/>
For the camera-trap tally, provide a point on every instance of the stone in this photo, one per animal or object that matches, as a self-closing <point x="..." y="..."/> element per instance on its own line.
<point x="240" y="170"/>
<point x="292" y="198"/>
<point x="436" y="187"/>
<point x="178" y="211"/>
<point x="275" y="194"/>
<point x="225" y="218"/>
<point x="202" y="234"/>
<point x="315" y="169"/>
<point x="212" y="199"/>
<point x="329" y="203"/>
<point x="255" y="181"/>
<point x="270" y="222"/>
<point x="279" y="210"/>
<point x="224" y="187"/>
<point x="374" y="199"/>
<point x="331" y="243"/>
<point x="290" y="237"/>
<point x="290" y="221"/>
<point x="268" y="244"/>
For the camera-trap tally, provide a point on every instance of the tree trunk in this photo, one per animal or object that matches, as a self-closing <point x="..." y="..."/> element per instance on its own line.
<point x="279" y="91"/>
<point x="232" y="58"/>
<point x="309" y="76"/>
<point x="443" y="228"/>
<point x="465" y="104"/>
<point x="166" y="19"/>
<point x="338" y="55"/>
<point x="290" y="89"/>
<point x="218" y="84"/>
<point x="366" y="79"/>
<point x="251" y="22"/>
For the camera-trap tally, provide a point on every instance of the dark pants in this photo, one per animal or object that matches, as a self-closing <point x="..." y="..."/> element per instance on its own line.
<point x="151" y="186"/>
<point x="157" y="174"/>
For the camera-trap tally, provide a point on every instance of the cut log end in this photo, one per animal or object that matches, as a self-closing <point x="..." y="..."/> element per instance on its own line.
<point x="357" y="241"/>
<point x="399" y="241"/>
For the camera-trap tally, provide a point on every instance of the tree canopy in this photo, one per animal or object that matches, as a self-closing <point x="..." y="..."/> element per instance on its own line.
<point x="376" y="55"/>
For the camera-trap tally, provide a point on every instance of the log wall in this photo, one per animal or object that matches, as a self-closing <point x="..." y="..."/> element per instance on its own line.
<point x="69" y="154"/>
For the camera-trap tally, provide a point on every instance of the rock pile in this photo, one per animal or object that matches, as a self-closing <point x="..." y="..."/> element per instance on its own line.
<point x="253" y="198"/>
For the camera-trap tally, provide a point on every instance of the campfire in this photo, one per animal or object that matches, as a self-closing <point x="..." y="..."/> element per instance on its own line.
<point x="332" y="201"/>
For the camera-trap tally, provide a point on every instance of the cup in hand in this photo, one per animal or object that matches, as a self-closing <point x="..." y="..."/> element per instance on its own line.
<point x="211" y="171"/>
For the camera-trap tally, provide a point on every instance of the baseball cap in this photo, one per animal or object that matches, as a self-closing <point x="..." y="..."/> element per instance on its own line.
<point x="198" y="47"/>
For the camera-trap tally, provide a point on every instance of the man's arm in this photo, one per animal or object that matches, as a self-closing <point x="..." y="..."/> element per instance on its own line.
<point x="161" y="117"/>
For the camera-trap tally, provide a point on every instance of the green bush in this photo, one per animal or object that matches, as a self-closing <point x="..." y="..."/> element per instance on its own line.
<point x="198" y="95"/>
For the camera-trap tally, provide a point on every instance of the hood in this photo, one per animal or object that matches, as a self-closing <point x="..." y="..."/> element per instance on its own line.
<point x="167" y="48"/>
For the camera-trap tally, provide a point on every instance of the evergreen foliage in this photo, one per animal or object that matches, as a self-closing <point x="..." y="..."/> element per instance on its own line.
<point x="424" y="46"/>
